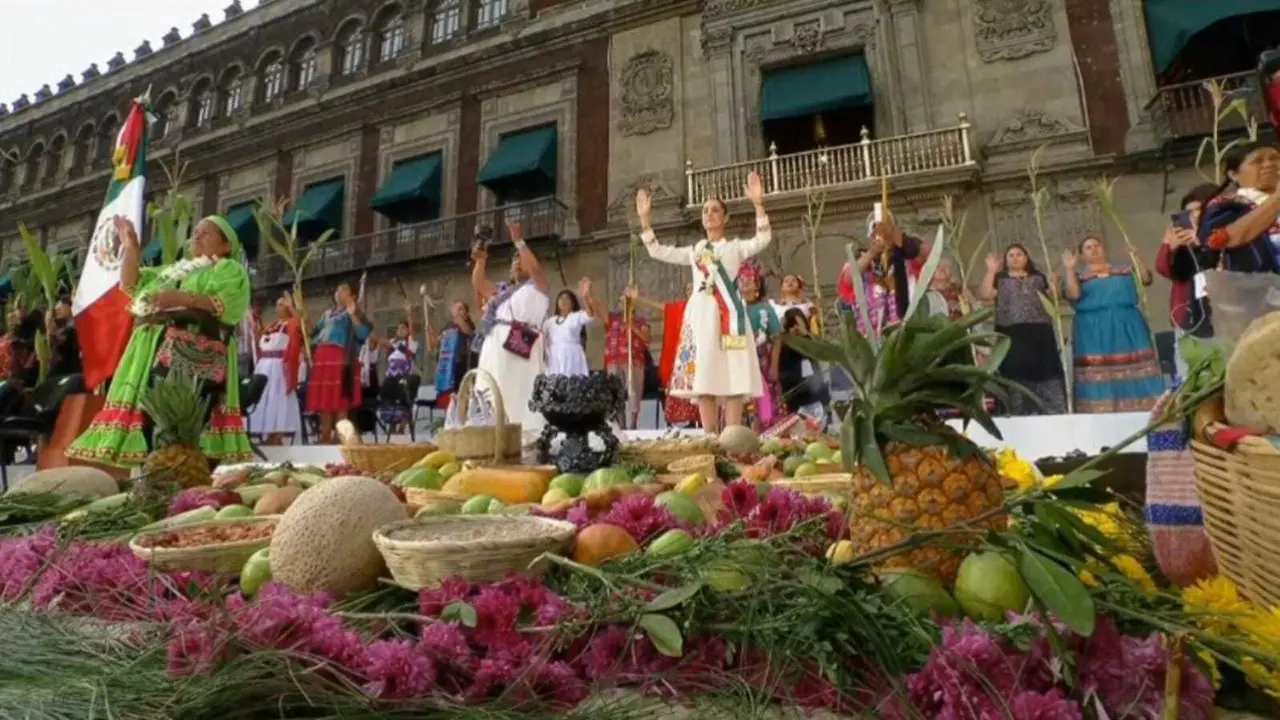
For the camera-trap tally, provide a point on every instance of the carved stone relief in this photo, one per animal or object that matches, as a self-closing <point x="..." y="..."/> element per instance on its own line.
<point x="1013" y="29"/>
<point x="647" y="88"/>
<point x="1032" y="125"/>
<point x="1070" y="215"/>
<point x="659" y="191"/>
<point x="807" y="38"/>
<point x="656" y="281"/>
<point x="720" y="8"/>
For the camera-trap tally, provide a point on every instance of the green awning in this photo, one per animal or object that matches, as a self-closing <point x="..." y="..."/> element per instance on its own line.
<point x="802" y="90"/>
<point x="411" y="193"/>
<point x="319" y="209"/>
<point x="524" y="163"/>
<point x="242" y="220"/>
<point x="1172" y="23"/>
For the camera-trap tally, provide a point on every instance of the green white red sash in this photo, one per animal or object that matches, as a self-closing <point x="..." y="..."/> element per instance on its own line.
<point x="735" y="326"/>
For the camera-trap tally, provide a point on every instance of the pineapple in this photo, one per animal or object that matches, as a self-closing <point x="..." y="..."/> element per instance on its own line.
<point x="912" y="472"/>
<point x="175" y="406"/>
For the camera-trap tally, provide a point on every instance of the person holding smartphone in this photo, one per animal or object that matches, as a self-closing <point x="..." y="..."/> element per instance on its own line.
<point x="1178" y="261"/>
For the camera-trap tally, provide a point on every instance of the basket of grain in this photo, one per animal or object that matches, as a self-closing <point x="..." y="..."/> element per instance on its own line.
<point x="839" y="483"/>
<point x="423" y="552"/>
<point x="1239" y="491"/>
<point x="705" y="464"/>
<point x="497" y="443"/>
<point x="214" y="546"/>
<point x="662" y="452"/>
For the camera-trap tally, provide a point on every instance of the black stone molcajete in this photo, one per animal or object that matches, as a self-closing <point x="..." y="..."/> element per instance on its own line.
<point x="577" y="407"/>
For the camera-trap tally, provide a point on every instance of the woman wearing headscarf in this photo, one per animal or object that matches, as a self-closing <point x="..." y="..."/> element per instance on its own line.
<point x="185" y="318"/>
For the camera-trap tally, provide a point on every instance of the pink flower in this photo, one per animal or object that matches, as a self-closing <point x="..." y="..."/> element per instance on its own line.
<point x="398" y="669"/>
<point x="1051" y="705"/>
<point x="433" y="601"/>
<point x="21" y="559"/>
<point x="642" y="517"/>
<point x="1128" y="673"/>
<point x="201" y="497"/>
<point x="779" y="512"/>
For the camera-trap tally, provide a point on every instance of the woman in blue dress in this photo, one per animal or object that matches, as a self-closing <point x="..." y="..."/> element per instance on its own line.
<point x="1115" y="366"/>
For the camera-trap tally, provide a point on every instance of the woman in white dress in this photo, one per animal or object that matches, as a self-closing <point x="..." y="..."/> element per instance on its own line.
<point x="716" y="361"/>
<point x="510" y="333"/>
<point x="279" y="359"/>
<point x="566" y="331"/>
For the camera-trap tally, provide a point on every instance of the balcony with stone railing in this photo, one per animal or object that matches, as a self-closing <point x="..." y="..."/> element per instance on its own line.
<point x="1185" y="110"/>
<point x="542" y="219"/>
<point x="860" y="165"/>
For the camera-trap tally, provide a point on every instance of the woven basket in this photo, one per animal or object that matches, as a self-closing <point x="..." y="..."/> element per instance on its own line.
<point x="661" y="453"/>
<point x="478" y="548"/>
<point x="388" y="458"/>
<point x="1239" y="493"/>
<point x="495" y="443"/>
<point x="841" y="483"/>
<point x="223" y="557"/>
<point x="705" y="464"/>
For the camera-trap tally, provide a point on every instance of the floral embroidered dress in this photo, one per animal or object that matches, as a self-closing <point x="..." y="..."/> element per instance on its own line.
<point x="715" y="356"/>
<point x="160" y="343"/>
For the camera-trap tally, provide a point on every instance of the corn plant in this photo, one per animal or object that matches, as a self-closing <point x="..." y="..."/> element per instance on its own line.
<point x="953" y="239"/>
<point x="284" y="242"/>
<point x="1104" y="193"/>
<point x="44" y="271"/>
<point x="811" y="224"/>
<point x="1052" y="301"/>
<point x="172" y="217"/>
<point x="1224" y="106"/>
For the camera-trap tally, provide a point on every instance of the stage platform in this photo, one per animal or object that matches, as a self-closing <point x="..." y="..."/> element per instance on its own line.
<point x="1037" y="438"/>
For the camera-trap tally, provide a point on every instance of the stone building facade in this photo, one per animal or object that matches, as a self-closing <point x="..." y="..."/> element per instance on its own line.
<point x="330" y="102"/>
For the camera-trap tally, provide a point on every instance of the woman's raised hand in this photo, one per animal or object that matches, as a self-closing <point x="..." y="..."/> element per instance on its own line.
<point x="755" y="189"/>
<point x="125" y="231"/>
<point x="584" y="287"/>
<point x="993" y="262"/>
<point x="1068" y="258"/>
<point x="517" y="232"/>
<point x="644" y="206"/>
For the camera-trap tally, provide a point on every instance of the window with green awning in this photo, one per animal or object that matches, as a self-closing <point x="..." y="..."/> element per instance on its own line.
<point x="803" y="90"/>
<point x="523" y="165"/>
<point x="411" y="191"/>
<point x="1172" y="23"/>
<point x="319" y="209"/>
<point x="242" y="220"/>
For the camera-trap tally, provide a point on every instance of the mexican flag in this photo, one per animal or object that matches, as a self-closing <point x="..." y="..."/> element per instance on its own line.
<point x="101" y="308"/>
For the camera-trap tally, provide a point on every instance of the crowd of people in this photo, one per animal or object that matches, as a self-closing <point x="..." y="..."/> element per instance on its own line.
<point x="721" y="359"/>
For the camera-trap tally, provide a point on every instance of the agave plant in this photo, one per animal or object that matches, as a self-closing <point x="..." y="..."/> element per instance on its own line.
<point x="41" y="282"/>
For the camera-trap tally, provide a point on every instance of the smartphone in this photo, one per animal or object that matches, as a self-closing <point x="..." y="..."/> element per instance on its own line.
<point x="1181" y="220"/>
<point x="877" y="212"/>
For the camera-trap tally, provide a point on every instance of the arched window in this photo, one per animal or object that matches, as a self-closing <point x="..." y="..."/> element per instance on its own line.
<point x="8" y="162"/>
<point x="446" y="21"/>
<point x="231" y="92"/>
<point x="31" y="173"/>
<point x="202" y="103"/>
<point x="83" y="146"/>
<point x="271" y="77"/>
<point x="105" y="143"/>
<point x="351" y="49"/>
<point x="53" y="159"/>
<point x="391" y="35"/>
<point x="302" y="65"/>
<point x="163" y="110"/>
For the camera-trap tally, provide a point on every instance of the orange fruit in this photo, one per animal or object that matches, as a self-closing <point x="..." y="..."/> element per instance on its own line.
<point x="598" y="543"/>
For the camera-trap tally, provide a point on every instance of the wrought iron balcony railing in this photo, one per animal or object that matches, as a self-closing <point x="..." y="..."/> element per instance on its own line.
<point x="1186" y="109"/>
<point x="542" y="219"/>
<point x="860" y="162"/>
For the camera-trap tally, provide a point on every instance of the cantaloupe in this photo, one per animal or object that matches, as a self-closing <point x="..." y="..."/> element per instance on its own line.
<point x="85" y="481"/>
<point x="324" y="541"/>
<point x="739" y="438"/>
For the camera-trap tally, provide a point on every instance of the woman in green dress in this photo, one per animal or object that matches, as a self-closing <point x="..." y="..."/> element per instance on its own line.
<point x="185" y="316"/>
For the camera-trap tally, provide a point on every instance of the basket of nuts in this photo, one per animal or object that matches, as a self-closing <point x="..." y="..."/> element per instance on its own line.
<point x="215" y="546"/>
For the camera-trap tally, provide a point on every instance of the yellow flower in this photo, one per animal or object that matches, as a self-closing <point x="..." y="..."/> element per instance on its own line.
<point x="1263" y="628"/>
<point x="1262" y="677"/>
<point x="1217" y="602"/>
<point x="1052" y="480"/>
<point x="1129" y="566"/>
<point x="1088" y="578"/>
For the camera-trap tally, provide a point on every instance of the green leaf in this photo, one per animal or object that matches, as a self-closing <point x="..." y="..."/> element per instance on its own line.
<point x="1072" y="527"/>
<point x="860" y="296"/>
<point x="460" y="612"/>
<point x="674" y="597"/>
<point x="926" y="273"/>
<point x="849" y="444"/>
<point x="1061" y="591"/>
<point x="997" y="355"/>
<point x="869" y="453"/>
<point x="664" y="634"/>
<point x="909" y="434"/>
<point x="816" y="349"/>
<point x="1077" y="478"/>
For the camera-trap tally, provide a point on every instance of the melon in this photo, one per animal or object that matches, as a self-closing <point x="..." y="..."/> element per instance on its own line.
<point x="739" y="439"/>
<point x="324" y="541"/>
<point x="84" y="481"/>
<point x="605" y="478"/>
